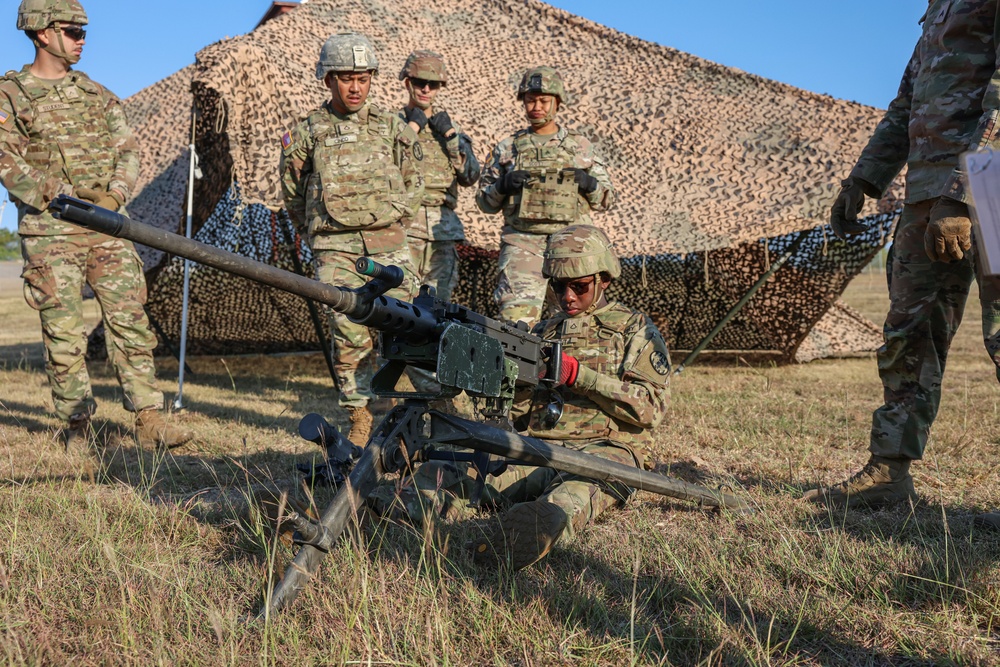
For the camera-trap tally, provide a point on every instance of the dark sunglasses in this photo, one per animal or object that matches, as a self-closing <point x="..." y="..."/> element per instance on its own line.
<point x="580" y="286"/>
<point x="76" y="34"/>
<point x="424" y="83"/>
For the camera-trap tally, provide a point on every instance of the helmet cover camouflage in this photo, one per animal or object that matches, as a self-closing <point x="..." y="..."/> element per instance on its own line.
<point x="37" y="15"/>
<point x="346" y="52"/>
<point x="577" y="251"/>
<point x="425" y="65"/>
<point x="545" y="80"/>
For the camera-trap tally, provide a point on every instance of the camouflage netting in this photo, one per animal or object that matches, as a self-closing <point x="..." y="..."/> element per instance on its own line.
<point x="717" y="170"/>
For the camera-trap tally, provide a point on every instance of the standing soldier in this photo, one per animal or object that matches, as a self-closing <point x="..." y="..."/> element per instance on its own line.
<point x="349" y="179"/>
<point x="448" y="161"/>
<point x="62" y="133"/>
<point x="543" y="178"/>
<point x="947" y="103"/>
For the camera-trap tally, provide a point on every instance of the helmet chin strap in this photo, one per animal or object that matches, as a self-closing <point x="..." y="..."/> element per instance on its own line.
<point x="61" y="52"/>
<point x="413" y="98"/>
<point x="547" y="118"/>
<point x="598" y="296"/>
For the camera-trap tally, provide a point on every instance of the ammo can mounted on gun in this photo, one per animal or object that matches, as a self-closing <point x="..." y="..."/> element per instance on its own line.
<point x="483" y="357"/>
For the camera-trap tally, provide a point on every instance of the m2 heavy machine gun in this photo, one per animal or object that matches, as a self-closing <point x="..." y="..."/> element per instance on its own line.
<point x="485" y="358"/>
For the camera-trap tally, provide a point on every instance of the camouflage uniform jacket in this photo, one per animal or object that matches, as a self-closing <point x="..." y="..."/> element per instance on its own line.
<point x="621" y="390"/>
<point x="447" y="164"/>
<point x="948" y="102"/>
<point x="350" y="179"/>
<point x="566" y="149"/>
<point x="57" y="136"/>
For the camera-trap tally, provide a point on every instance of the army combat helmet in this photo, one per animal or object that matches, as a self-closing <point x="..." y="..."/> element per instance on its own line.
<point x="33" y="16"/>
<point x="346" y="52"/>
<point x="544" y="80"/>
<point x="578" y="251"/>
<point x="426" y="65"/>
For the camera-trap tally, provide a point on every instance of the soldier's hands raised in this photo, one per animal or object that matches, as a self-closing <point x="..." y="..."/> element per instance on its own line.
<point x="109" y="200"/>
<point x="417" y="116"/>
<point x="441" y="123"/>
<point x="949" y="231"/>
<point x="844" y="215"/>
<point x="584" y="181"/>
<point x="512" y="181"/>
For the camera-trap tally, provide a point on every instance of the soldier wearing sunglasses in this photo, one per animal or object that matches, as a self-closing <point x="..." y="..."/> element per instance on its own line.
<point x="448" y="162"/>
<point x="62" y="133"/>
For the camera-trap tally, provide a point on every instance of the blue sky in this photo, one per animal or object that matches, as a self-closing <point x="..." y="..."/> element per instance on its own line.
<point x="851" y="49"/>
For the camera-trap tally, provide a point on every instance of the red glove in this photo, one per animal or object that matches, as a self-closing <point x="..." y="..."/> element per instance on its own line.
<point x="568" y="369"/>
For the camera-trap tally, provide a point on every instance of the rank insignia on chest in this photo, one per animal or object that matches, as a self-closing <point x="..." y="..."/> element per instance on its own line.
<point x="286" y="140"/>
<point x="4" y="117"/>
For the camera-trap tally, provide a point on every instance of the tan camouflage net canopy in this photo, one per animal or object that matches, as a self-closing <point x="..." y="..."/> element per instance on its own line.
<point x="717" y="170"/>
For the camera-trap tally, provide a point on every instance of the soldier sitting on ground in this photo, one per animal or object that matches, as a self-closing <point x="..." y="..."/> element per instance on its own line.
<point x="613" y="389"/>
<point x="63" y="133"/>
<point x="542" y="179"/>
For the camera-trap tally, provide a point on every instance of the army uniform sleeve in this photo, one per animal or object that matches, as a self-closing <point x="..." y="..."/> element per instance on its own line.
<point x="987" y="134"/>
<point x="604" y="197"/>
<point x="468" y="171"/>
<point x="640" y="396"/>
<point x="408" y="154"/>
<point x="24" y="183"/>
<point x="127" y="164"/>
<point x="295" y="168"/>
<point x="488" y="199"/>
<point x="889" y="146"/>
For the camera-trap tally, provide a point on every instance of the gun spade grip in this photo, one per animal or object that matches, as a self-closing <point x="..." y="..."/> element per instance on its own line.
<point x="390" y="275"/>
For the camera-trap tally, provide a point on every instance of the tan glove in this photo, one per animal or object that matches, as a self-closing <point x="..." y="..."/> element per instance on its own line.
<point x="844" y="214"/>
<point x="949" y="231"/>
<point x="109" y="200"/>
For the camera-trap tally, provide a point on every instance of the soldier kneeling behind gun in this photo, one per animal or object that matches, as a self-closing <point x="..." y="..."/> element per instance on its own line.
<point x="612" y="390"/>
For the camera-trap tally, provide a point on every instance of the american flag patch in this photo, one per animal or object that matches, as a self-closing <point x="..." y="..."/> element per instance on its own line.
<point x="3" y="117"/>
<point x="286" y="140"/>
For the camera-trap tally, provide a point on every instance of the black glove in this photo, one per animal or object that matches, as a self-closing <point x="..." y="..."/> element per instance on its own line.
<point x="844" y="215"/>
<point x="584" y="181"/>
<point x="417" y="115"/>
<point x="441" y="123"/>
<point x="512" y="181"/>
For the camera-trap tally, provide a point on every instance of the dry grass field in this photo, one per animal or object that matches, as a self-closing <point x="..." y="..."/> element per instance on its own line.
<point x="138" y="557"/>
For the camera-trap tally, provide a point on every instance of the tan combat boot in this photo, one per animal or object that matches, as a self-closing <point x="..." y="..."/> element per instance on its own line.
<point x="153" y="431"/>
<point x="526" y="534"/>
<point x="361" y="426"/>
<point x="882" y="481"/>
<point x="78" y="432"/>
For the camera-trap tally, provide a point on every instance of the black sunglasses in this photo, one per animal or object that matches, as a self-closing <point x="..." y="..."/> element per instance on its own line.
<point x="76" y="34"/>
<point x="424" y="83"/>
<point x="579" y="285"/>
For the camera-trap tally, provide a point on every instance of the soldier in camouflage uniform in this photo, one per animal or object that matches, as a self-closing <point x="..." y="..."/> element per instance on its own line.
<point x="542" y="178"/>
<point x="613" y="389"/>
<point x="349" y="180"/>
<point x="947" y="103"/>
<point x="62" y="133"/>
<point x="448" y="162"/>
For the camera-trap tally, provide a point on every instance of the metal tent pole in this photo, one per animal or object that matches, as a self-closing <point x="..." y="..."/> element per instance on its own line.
<point x="734" y="311"/>
<point x="179" y="401"/>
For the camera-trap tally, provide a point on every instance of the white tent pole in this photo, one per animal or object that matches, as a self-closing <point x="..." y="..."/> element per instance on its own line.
<point x="179" y="401"/>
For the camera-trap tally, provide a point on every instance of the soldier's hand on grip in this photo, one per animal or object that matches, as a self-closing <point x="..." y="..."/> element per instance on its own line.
<point x="417" y="115"/>
<point x="109" y="200"/>
<point x="949" y="231"/>
<point x="568" y="370"/>
<point x="441" y="123"/>
<point x="584" y="181"/>
<point x="844" y="215"/>
<point x="512" y="181"/>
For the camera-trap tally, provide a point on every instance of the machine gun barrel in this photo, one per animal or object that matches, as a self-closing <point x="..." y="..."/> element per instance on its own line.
<point x="380" y="313"/>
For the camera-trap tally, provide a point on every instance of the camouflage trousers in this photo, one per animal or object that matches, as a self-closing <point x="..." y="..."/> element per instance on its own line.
<point x="435" y="263"/>
<point x="927" y="301"/>
<point x="55" y="270"/>
<point x="440" y="491"/>
<point x="353" y="350"/>
<point x="522" y="292"/>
